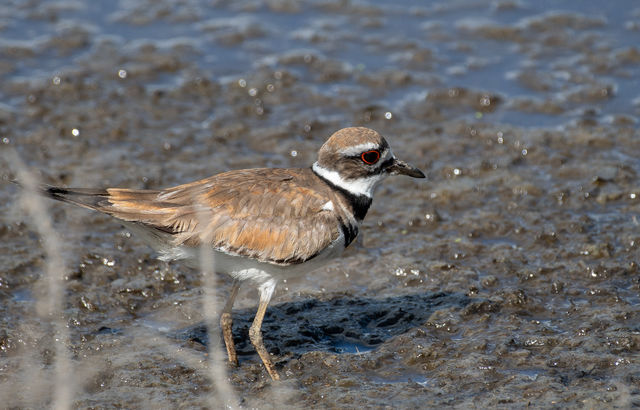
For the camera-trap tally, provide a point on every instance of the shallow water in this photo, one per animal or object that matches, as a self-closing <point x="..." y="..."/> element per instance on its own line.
<point x="508" y="279"/>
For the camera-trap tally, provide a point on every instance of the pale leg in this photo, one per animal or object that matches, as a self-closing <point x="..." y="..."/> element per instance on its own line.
<point x="255" y="334"/>
<point x="226" y="322"/>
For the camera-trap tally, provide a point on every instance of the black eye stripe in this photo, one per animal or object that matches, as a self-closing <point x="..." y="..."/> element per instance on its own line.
<point x="378" y="164"/>
<point x="380" y="167"/>
<point x="387" y="163"/>
<point x="382" y="152"/>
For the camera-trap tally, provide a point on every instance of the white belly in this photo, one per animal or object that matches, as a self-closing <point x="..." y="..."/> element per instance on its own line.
<point x="242" y="268"/>
<point x="238" y="267"/>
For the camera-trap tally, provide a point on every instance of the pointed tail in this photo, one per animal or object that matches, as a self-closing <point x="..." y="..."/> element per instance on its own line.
<point x="95" y="199"/>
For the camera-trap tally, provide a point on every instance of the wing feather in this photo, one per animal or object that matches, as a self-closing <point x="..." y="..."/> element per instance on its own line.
<point x="272" y="215"/>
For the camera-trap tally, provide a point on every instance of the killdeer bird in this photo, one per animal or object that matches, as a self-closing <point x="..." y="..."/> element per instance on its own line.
<point x="262" y="225"/>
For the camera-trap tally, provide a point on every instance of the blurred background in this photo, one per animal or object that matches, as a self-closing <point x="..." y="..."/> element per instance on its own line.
<point x="508" y="278"/>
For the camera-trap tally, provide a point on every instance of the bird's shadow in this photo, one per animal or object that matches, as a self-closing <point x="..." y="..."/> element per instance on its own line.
<point x="340" y="325"/>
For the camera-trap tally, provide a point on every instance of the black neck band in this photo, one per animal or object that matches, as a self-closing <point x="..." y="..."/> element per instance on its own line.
<point x="359" y="203"/>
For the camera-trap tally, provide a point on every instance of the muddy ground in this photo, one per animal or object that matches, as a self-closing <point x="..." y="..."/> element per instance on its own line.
<point x="509" y="278"/>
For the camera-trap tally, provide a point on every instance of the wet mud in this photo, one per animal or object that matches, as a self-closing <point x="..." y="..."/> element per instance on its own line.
<point x="509" y="278"/>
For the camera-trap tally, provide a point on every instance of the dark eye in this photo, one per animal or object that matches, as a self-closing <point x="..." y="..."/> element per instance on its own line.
<point x="370" y="157"/>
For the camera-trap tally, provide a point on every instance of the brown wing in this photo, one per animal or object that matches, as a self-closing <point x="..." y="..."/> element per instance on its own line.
<point x="271" y="215"/>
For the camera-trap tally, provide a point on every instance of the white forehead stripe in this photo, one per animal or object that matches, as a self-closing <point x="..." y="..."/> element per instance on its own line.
<point x="360" y="186"/>
<point x="358" y="149"/>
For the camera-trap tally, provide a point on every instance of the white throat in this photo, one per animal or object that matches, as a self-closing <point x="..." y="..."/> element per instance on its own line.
<point x="360" y="186"/>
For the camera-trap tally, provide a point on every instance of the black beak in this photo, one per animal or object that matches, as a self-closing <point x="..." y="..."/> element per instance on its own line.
<point x="402" y="168"/>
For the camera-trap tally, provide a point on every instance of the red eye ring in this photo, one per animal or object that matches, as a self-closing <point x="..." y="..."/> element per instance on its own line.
<point x="370" y="157"/>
